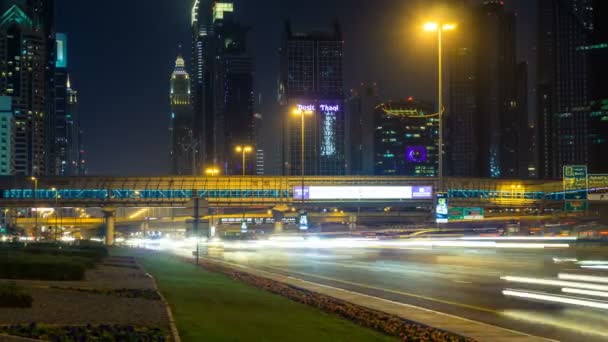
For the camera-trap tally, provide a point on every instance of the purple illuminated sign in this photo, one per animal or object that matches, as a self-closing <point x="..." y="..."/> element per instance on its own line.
<point x="297" y="192"/>
<point x="422" y="192"/>
<point x="416" y="154"/>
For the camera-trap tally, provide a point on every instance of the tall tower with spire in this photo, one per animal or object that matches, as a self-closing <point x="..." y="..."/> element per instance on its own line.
<point x="183" y="145"/>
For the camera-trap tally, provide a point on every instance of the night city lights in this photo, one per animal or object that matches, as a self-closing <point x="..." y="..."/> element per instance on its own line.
<point x="220" y="170"/>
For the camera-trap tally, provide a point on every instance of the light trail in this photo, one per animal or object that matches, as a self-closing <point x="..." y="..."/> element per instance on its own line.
<point x="592" y="279"/>
<point x="585" y="292"/>
<point x="521" y="238"/>
<point x="550" y="282"/>
<point x="597" y="267"/>
<point x="556" y="299"/>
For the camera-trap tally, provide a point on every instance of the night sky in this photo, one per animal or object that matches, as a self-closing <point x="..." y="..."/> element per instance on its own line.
<point x="121" y="55"/>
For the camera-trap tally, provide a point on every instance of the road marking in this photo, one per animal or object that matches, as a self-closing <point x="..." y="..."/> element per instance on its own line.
<point x="386" y="300"/>
<point x="462" y="282"/>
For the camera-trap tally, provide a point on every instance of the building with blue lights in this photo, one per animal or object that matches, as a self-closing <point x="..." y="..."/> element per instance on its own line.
<point x="406" y="139"/>
<point x="24" y="76"/>
<point x="7" y="137"/>
<point x="311" y="83"/>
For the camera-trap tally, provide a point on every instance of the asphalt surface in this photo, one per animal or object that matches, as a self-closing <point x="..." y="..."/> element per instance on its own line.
<point x="465" y="282"/>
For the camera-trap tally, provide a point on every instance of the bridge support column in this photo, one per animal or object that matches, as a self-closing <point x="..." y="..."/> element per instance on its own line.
<point x="110" y="216"/>
<point x="352" y="223"/>
<point x="278" y="216"/>
<point x="278" y="227"/>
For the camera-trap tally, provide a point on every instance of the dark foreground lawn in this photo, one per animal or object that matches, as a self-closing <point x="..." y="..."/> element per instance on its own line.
<point x="212" y="307"/>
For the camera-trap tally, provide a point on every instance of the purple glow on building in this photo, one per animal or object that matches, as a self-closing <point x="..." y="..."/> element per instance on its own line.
<point x="416" y="154"/>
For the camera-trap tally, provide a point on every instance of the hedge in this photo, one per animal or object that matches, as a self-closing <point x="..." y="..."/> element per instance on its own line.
<point x="89" y="332"/>
<point x="12" y="296"/>
<point x="41" y="267"/>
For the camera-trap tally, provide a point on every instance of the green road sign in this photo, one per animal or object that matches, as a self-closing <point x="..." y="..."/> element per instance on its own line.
<point x="576" y="188"/>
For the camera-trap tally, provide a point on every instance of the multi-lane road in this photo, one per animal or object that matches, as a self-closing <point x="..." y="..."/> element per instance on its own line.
<point x="463" y="281"/>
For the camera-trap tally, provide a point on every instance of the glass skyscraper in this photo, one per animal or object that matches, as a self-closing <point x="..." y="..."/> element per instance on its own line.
<point x="311" y="80"/>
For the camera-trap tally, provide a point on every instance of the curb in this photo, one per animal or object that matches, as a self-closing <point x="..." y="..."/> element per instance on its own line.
<point x="13" y="338"/>
<point x="172" y="326"/>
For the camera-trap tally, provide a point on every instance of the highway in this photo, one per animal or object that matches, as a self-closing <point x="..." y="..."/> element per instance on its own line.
<point x="465" y="282"/>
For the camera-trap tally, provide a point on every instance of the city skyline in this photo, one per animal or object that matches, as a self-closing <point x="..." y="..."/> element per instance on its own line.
<point x="139" y="98"/>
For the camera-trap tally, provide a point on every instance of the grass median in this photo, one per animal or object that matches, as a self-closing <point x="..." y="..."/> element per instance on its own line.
<point x="212" y="307"/>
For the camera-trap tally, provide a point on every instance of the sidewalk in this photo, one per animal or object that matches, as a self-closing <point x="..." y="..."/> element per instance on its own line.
<point x="457" y="325"/>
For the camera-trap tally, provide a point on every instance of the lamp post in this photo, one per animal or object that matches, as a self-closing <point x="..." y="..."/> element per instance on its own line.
<point x="302" y="113"/>
<point x="35" y="180"/>
<point x="56" y="214"/>
<point x="440" y="28"/>
<point x="244" y="150"/>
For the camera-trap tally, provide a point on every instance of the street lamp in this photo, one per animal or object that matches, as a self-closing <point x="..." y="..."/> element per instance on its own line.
<point x="212" y="171"/>
<point x="56" y="208"/>
<point x="440" y="28"/>
<point x="244" y="150"/>
<point x="302" y="113"/>
<point x="35" y="180"/>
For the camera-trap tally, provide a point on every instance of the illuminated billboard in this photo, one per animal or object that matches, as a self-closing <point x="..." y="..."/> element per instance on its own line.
<point x="363" y="192"/>
<point x="441" y="209"/>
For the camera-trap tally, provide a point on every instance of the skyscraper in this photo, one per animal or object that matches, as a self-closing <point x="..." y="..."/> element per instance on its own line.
<point x="563" y="89"/>
<point x="182" y="148"/>
<point x="360" y="129"/>
<point x="7" y="137"/>
<point x="223" y="90"/>
<point x="24" y="77"/>
<point x="311" y="80"/>
<point x="485" y="112"/>
<point x="406" y="139"/>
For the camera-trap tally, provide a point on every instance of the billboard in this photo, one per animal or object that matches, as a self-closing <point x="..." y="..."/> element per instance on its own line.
<point x="362" y="192"/>
<point x="441" y="208"/>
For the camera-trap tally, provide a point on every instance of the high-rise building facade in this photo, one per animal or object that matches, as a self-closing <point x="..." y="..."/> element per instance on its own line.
<point x="7" y="137"/>
<point x="311" y="81"/>
<point x="66" y="146"/>
<point x="24" y="77"/>
<point x="182" y="148"/>
<point x="360" y="108"/>
<point x="563" y="84"/>
<point x="406" y="139"/>
<point x="486" y="109"/>
<point x="223" y="88"/>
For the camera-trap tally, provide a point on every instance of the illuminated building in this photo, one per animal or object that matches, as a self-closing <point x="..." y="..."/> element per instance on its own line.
<point x="360" y="129"/>
<point x="181" y="116"/>
<point x="598" y="116"/>
<point x="406" y="139"/>
<point x="486" y="112"/>
<point x="311" y="79"/>
<point x="7" y="138"/>
<point x="66" y="147"/>
<point x="563" y="85"/>
<point x="24" y="77"/>
<point x="223" y="91"/>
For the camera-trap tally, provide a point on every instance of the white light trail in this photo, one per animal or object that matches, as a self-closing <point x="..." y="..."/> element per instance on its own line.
<point x="556" y="299"/>
<point x="596" y="267"/>
<point x="592" y="279"/>
<point x="593" y="262"/>
<point x="585" y="292"/>
<point x="560" y="260"/>
<point x="550" y="282"/>
<point x="521" y="238"/>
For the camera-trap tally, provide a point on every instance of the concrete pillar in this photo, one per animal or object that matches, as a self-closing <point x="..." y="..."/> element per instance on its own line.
<point x="110" y="216"/>
<point x="352" y="222"/>
<point x="278" y="227"/>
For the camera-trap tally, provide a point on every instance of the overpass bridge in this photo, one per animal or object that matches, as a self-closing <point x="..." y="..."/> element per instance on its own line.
<point x="263" y="192"/>
<point x="253" y="191"/>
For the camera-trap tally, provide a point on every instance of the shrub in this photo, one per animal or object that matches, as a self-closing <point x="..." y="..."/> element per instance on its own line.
<point x="12" y="296"/>
<point x="86" y="333"/>
<point x="40" y="267"/>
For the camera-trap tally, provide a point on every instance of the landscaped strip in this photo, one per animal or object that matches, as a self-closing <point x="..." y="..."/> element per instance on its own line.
<point x="89" y="333"/>
<point x="209" y="306"/>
